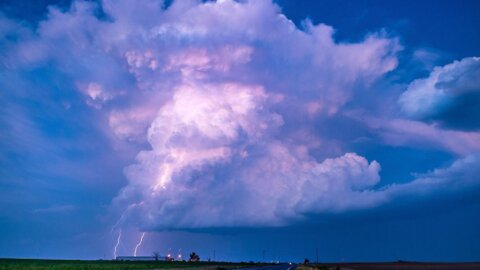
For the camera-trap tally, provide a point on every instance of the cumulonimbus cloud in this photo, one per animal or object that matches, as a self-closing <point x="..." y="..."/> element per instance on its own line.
<point x="225" y="98"/>
<point x="222" y="153"/>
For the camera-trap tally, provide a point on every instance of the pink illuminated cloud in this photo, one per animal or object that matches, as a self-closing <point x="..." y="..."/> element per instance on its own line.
<point x="234" y="111"/>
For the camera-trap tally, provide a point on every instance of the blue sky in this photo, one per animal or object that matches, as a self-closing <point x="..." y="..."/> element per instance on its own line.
<point x="351" y="127"/>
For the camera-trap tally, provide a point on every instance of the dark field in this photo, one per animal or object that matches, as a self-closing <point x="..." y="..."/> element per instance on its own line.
<point x="26" y="264"/>
<point x="401" y="266"/>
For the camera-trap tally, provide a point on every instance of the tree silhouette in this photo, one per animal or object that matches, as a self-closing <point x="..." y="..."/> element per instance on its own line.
<point x="194" y="257"/>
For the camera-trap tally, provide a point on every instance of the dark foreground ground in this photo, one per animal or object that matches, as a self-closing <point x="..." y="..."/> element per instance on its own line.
<point x="27" y="264"/>
<point x="397" y="266"/>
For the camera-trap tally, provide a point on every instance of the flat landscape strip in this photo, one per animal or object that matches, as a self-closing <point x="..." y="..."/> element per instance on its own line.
<point x="30" y="264"/>
<point x="394" y="266"/>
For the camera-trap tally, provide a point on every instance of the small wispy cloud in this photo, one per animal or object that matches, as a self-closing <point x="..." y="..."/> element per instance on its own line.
<point x="56" y="209"/>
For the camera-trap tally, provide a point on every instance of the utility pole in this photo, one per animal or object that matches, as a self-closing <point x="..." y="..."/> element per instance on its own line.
<point x="214" y="255"/>
<point x="263" y="255"/>
<point x="316" y="253"/>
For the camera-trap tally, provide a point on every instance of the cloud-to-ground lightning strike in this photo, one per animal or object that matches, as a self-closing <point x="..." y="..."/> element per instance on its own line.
<point x="139" y="244"/>
<point x="119" y="222"/>
<point x="117" y="244"/>
<point x="124" y="213"/>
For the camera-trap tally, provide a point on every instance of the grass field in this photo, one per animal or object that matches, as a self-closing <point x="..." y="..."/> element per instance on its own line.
<point x="27" y="264"/>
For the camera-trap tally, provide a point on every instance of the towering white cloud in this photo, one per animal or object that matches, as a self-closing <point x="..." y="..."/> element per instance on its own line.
<point x="229" y="102"/>
<point x="224" y="78"/>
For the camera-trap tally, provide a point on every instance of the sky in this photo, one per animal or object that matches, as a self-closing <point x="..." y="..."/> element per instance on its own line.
<point x="241" y="130"/>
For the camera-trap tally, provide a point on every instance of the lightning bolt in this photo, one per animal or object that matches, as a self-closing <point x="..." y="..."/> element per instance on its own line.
<point x="120" y="222"/>
<point x="164" y="178"/>
<point x="118" y="243"/>
<point x="123" y="216"/>
<point x="179" y="158"/>
<point x="139" y="244"/>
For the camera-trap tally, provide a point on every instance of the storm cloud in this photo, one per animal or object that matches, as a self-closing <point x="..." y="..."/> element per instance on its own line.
<point x="226" y="110"/>
<point x="225" y="150"/>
